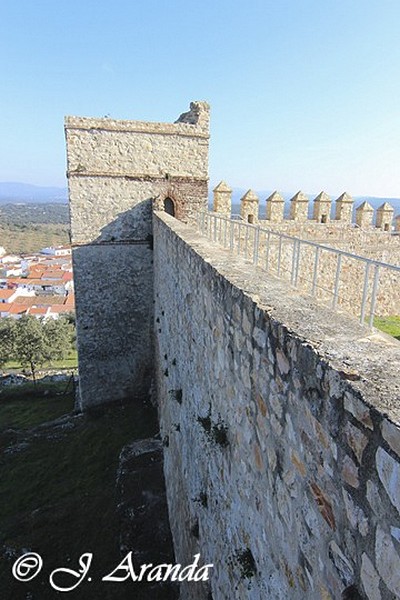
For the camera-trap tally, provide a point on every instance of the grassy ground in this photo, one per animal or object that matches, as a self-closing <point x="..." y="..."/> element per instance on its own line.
<point x="57" y="489"/>
<point x="390" y="325"/>
<point x="70" y="362"/>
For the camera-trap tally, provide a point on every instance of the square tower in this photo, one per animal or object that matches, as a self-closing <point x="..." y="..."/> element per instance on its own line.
<point x="117" y="171"/>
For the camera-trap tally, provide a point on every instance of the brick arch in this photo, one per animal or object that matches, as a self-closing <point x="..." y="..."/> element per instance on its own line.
<point x="172" y="193"/>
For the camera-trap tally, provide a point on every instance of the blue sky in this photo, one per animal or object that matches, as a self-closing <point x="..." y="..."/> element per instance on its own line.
<point x="305" y="94"/>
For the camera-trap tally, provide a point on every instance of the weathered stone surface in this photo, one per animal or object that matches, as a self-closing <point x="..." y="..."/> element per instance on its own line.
<point x="388" y="562"/>
<point x="395" y="532"/>
<point x="370" y="579"/>
<point x="355" y="514"/>
<point x="113" y="331"/>
<point x="389" y="473"/>
<point x="391" y="433"/>
<point x="356" y="440"/>
<point x="358" y="410"/>
<point x="350" y="472"/>
<point x="324" y="506"/>
<point x="375" y="500"/>
<point x="341" y="562"/>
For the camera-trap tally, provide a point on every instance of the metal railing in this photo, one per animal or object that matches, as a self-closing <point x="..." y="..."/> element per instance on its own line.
<point x="342" y="280"/>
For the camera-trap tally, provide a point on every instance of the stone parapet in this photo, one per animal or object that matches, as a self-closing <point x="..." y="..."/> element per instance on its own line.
<point x="180" y="127"/>
<point x="322" y="208"/>
<point x="299" y="207"/>
<point x="249" y="205"/>
<point x="364" y="215"/>
<point x="384" y="217"/>
<point x="222" y="199"/>
<point x="275" y="208"/>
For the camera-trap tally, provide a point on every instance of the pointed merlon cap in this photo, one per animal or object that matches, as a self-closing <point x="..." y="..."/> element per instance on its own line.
<point x="299" y="197"/>
<point x="386" y="207"/>
<point x="322" y="197"/>
<point x="345" y="198"/>
<point x="222" y="187"/>
<point x="249" y="196"/>
<point x="365" y="207"/>
<point x="275" y="197"/>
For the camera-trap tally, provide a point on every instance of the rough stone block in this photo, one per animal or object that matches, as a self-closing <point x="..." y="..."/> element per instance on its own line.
<point x="389" y="474"/>
<point x="387" y="561"/>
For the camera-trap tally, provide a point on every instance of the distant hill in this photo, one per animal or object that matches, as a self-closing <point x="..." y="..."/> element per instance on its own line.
<point x="25" y="192"/>
<point x="29" y="226"/>
<point x="32" y="213"/>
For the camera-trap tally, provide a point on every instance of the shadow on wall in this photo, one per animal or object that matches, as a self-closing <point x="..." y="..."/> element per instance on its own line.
<point x="134" y="224"/>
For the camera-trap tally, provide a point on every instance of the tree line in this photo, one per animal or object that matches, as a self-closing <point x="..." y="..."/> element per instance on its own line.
<point x="34" y="342"/>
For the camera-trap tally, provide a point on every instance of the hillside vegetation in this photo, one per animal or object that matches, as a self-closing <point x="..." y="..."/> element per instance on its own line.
<point x="58" y="472"/>
<point x="26" y="228"/>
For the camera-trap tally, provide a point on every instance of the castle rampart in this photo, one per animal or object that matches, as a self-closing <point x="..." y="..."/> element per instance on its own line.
<point x="362" y="237"/>
<point x="280" y="423"/>
<point x="280" y="419"/>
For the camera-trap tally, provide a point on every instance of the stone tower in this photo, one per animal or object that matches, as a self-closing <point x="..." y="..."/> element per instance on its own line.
<point x="249" y="207"/>
<point x="384" y="216"/>
<point x="299" y="207"/>
<point x="222" y="199"/>
<point x="275" y="208"/>
<point x="322" y="208"/>
<point x="344" y="208"/>
<point x="117" y="171"/>
<point x="364" y="215"/>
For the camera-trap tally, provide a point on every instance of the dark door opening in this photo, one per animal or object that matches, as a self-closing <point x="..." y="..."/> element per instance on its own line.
<point x="169" y="207"/>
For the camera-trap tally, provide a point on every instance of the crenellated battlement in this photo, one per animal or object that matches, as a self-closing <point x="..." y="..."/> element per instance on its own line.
<point x="303" y="210"/>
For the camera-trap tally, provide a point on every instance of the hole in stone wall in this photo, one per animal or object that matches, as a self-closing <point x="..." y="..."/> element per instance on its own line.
<point x="351" y="593"/>
<point x="250" y="219"/>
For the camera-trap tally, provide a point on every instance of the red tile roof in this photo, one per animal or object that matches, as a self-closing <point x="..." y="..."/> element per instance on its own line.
<point x="6" y="294"/>
<point x="17" y="309"/>
<point x="37" y="310"/>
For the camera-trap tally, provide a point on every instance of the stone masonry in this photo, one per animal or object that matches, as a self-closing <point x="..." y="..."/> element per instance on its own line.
<point x="281" y="430"/>
<point x="117" y="171"/>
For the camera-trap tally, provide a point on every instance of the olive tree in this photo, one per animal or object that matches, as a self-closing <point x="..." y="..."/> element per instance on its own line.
<point x="7" y="340"/>
<point x="38" y="342"/>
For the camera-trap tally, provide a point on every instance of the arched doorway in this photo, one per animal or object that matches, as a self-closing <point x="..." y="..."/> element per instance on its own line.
<point x="169" y="206"/>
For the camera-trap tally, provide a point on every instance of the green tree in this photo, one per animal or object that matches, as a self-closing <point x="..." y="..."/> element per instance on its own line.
<point x="7" y="340"/>
<point x="34" y="342"/>
<point x="59" y="334"/>
<point x="32" y="347"/>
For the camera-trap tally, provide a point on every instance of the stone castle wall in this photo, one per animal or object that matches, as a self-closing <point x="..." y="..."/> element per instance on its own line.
<point x="117" y="172"/>
<point x="371" y="243"/>
<point x="280" y="422"/>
